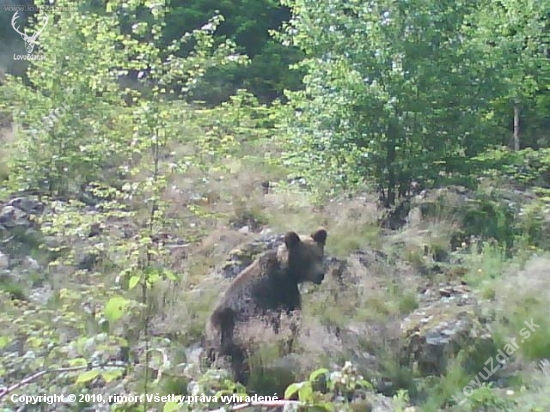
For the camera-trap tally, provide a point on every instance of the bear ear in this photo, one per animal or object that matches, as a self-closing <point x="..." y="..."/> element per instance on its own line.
<point x="320" y="237"/>
<point x="291" y="240"/>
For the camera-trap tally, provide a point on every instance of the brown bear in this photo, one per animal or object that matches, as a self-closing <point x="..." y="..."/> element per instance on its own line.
<point x="266" y="290"/>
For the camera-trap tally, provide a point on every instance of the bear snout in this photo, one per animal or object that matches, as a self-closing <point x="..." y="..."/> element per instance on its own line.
<point x="319" y="277"/>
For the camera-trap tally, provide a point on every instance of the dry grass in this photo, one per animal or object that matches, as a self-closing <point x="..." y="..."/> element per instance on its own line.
<point x="183" y="311"/>
<point x="353" y="316"/>
<point x="537" y="390"/>
<point x="521" y="285"/>
<point x="372" y="291"/>
<point x="373" y="294"/>
<point x="231" y="191"/>
<point x="522" y="295"/>
<point x="340" y="321"/>
<point x="203" y="256"/>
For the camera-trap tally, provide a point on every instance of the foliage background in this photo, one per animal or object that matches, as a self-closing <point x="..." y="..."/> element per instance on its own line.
<point x="141" y="147"/>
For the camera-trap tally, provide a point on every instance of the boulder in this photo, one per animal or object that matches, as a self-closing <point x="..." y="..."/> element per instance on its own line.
<point x="448" y="319"/>
<point x="4" y="262"/>
<point x="241" y="257"/>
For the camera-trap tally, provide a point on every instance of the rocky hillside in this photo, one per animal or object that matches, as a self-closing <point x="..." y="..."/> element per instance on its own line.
<point x="419" y="310"/>
<point x="149" y="151"/>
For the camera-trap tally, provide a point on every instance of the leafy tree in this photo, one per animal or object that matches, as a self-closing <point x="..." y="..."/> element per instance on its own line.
<point x="76" y="122"/>
<point x="104" y="128"/>
<point x="247" y="23"/>
<point x="392" y="92"/>
<point x="513" y="35"/>
<point x="71" y="123"/>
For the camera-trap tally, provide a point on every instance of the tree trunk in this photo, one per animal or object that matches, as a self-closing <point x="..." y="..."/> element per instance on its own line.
<point x="516" y="126"/>
<point x="390" y="164"/>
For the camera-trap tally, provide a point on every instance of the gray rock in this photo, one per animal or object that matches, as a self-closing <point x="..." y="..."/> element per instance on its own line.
<point x="448" y="320"/>
<point x="4" y="261"/>
<point x="27" y="205"/>
<point x="241" y="257"/>
<point x="11" y="217"/>
<point x="31" y="264"/>
<point x="41" y="295"/>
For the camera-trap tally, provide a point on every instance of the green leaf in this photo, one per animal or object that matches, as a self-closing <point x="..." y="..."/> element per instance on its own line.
<point x="305" y="394"/>
<point x="170" y="275"/>
<point x="104" y="325"/>
<point x="325" y="406"/>
<point x="78" y="362"/>
<point x="293" y="389"/>
<point x="111" y="375"/>
<point x="365" y="384"/>
<point x="153" y="278"/>
<point x="123" y="342"/>
<point x="87" y="376"/>
<point x="134" y="280"/>
<point x="224" y="392"/>
<point x="114" y="309"/>
<point x="315" y="374"/>
<point x="4" y="341"/>
<point x="171" y="406"/>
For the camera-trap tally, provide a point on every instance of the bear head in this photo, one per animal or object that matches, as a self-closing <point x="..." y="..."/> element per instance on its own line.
<point x="304" y="257"/>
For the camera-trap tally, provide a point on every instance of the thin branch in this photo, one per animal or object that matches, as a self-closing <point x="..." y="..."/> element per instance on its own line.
<point x="29" y="379"/>
<point x="271" y="404"/>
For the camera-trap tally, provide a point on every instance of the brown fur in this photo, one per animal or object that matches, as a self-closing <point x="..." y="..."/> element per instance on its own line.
<point x="266" y="289"/>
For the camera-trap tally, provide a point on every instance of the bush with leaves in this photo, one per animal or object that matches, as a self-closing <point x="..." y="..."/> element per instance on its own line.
<point x="98" y="317"/>
<point x="525" y="168"/>
<point x="78" y="120"/>
<point x="388" y="97"/>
